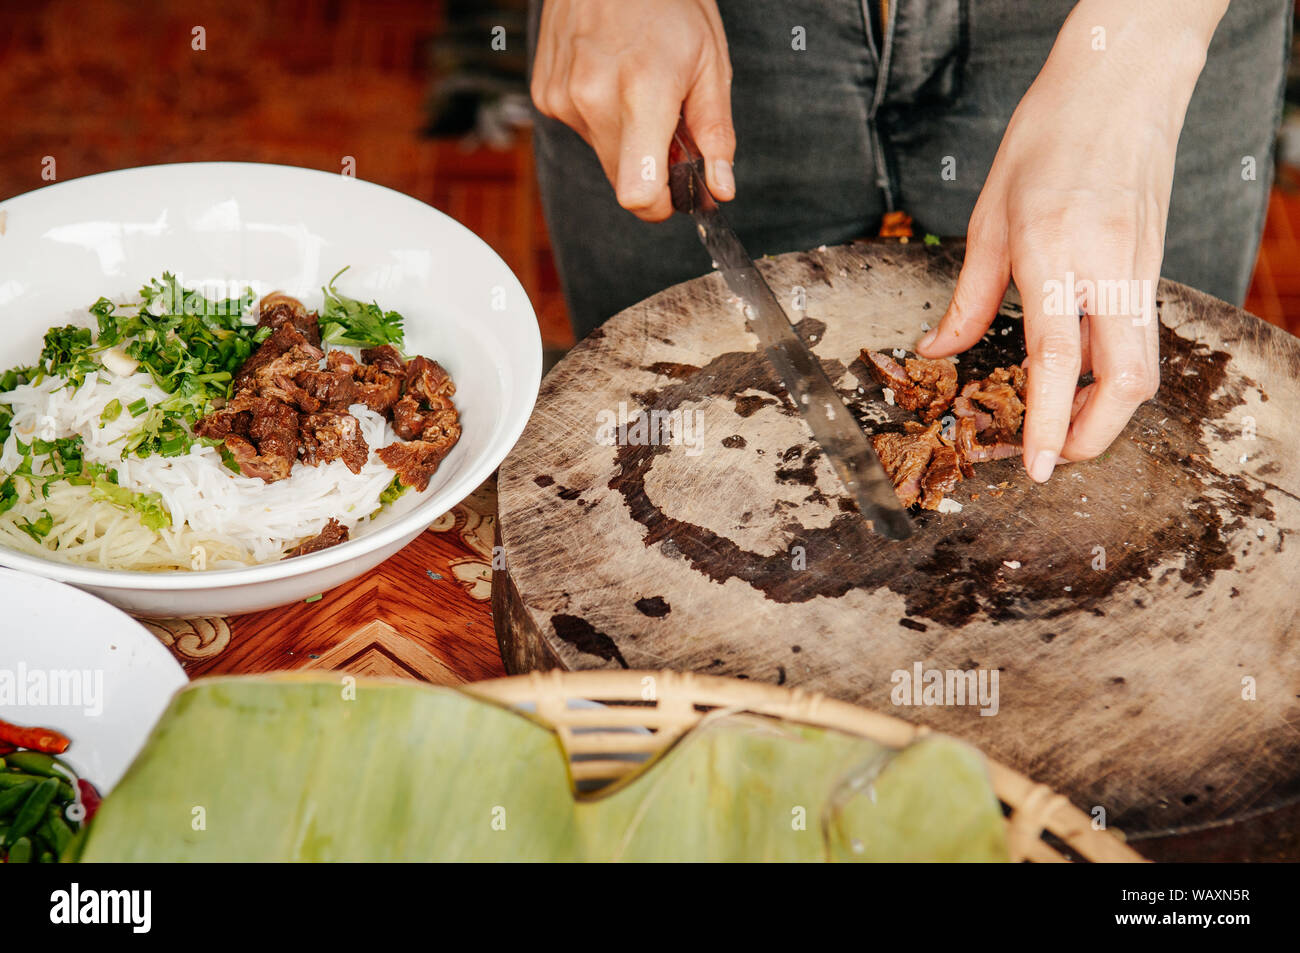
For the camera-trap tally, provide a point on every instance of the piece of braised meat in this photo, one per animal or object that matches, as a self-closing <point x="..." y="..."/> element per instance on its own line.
<point x="282" y="340"/>
<point x="333" y="534"/>
<point x="997" y="401"/>
<point x="973" y="446"/>
<point x="386" y="358"/>
<point x="333" y="435"/>
<point x="222" y="423"/>
<point x="427" y="381"/>
<point x="333" y="389"/>
<point x="942" y="475"/>
<point x="920" y="385"/>
<point x="378" y="389"/>
<point x="271" y="446"/>
<point x="277" y="379"/>
<point x="906" y="456"/>
<point x="278" y="308"/>
<point x="415" y="461"/>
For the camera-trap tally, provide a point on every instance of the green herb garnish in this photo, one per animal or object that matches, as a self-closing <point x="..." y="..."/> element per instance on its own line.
<point x="393" y="491"/>
<point x="353" y="323"/>
<point x="40" y="529"/>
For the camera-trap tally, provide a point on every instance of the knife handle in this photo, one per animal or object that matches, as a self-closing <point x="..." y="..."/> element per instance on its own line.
<point x="686" y="173"/>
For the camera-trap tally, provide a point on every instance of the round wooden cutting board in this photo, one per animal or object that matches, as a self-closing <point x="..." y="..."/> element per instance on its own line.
<point x="1140" y="612"/>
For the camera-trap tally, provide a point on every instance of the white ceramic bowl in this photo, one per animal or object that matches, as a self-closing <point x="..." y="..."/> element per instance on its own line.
<point x="103" y="678"/>
<point x="277" y="227"/>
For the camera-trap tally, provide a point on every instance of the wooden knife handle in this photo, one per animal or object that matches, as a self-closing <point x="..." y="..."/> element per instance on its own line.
<point x="686" y="172"/>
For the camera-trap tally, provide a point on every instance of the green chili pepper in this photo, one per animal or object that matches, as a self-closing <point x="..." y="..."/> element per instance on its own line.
<point x="12" y="779"/>
<point x="73" y="850"/>
<point x="12" y="798"/>
<point x="33" y="810"/>
<point x="37" y="762"/>
<point x="56" y="829"/>
<point x="21" y="852"/>
<point x="46" y="857"/>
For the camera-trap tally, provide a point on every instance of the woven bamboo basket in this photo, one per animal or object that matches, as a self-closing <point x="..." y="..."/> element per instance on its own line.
<point x="645" y="712"/>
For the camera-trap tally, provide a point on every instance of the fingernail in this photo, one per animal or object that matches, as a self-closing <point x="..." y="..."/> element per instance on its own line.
<point x="926" y="341"/>
<point x="722" y="172"/>
<point x="1042" y="466"/>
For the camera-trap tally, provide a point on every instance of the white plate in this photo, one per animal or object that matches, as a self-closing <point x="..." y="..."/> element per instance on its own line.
<point x="277" y="227"/>
<point x="107" y="678"/>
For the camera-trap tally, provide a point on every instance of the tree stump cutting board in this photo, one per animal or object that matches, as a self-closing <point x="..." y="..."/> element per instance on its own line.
<point x="1141" y="610"/>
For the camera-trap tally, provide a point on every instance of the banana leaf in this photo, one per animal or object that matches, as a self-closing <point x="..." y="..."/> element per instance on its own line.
<point x="293" y="768"/>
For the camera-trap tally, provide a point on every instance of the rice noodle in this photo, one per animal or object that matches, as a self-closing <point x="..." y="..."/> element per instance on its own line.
<point x="237" y="520"/>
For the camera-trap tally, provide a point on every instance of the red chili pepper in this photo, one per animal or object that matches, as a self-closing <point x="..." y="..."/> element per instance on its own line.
<point x="38" y="739"/>
<point x="89" y="798"/>
<point x="7" y="749"/>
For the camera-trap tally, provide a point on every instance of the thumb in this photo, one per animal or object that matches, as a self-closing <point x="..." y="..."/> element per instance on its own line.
<point x="708" y="116"/>
<point x="980" y="286"/>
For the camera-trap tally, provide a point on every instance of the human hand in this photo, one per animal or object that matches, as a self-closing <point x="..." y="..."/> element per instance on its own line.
<point x="621" y="73"/>
<point x="1074" y="211"/>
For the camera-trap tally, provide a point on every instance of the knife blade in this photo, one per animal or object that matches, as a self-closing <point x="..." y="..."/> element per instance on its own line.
<point x="832" y="425"/>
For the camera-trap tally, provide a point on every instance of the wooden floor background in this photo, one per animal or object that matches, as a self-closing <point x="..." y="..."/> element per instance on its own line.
<point x="110" y="84"/>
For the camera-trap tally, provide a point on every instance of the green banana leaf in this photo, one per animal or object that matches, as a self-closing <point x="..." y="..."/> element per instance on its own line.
<point x="293" y="768"/>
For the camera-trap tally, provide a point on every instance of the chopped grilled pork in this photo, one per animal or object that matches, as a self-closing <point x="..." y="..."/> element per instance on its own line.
<point x="385" y="358"/>
<point x="924" y="386"/>
<point x="925" y="463"/>
<point x="905" y="457"/>
<point x="271" y="445"/>
<point x="415" y="461"/>
<point x="333" y="534"/>
<point x="333" y="435"/>
<point x="378" y="389"/>
<point x="278" y="308"/>
<point x="1000" y="396"/>
<point x="426" y="380"/>
<point x="282" y="340"/>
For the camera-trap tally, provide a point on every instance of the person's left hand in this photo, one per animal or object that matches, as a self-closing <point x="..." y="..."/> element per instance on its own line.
<point x="1078" y="195"/>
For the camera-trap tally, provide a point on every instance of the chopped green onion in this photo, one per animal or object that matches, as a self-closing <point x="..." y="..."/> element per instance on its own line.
<point x="40" y="529"/>
<point x="112" y="410"/>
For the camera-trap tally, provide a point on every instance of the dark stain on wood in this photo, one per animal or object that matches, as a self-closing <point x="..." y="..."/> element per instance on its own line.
<point x="750" y="404"/>
<point x="913" y="625"/>
<point x="805" y="475"/>
<point x="947" y="572"/>
<point x="734" y="442"/>
<point x="654" y="606"/>
<point x="584" y="637"/>
<point x="669" y="369"/>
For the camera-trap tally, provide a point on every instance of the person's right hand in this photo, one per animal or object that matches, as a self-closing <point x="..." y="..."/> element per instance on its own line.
<point x="620" y="73"/>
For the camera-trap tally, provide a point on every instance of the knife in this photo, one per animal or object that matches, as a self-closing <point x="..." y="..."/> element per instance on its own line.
<point x="833" y="427"/>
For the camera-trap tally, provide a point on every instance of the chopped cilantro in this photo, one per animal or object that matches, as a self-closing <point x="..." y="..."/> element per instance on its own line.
<point x="40" y="529"/>
<point x="350" y="322"/>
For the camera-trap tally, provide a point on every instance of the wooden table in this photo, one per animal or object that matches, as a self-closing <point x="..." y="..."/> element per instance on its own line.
<point x="426" y="614"/>
<point x="423" y="614"/>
